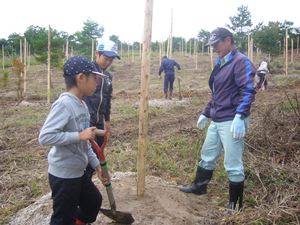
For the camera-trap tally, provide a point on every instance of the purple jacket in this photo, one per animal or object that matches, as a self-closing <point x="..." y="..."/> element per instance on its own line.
<point x="232" y="88"/>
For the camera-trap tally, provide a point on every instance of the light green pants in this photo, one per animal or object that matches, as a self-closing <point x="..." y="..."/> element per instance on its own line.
<point x="220" y="138"/>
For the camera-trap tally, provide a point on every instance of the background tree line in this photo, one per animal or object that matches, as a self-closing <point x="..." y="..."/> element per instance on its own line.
<point x="269" y="38"/>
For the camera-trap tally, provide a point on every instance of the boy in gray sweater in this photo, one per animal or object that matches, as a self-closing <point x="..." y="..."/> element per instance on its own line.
<point x="76" y="200"/>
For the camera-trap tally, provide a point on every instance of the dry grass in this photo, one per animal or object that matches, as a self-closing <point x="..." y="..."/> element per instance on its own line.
<point x="271" y="159"/>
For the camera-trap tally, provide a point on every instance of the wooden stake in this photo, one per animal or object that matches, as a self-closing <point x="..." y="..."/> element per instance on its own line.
<point x="29" y="56"/>
<point x="21" y="56"/>
<point x="144" y="104"/>
<point x="132" y="53"/>
<point x="3" y="57"/>
<point x="168" y="46"/>
<point x="298" y="45"/>
<point x="286" y="51"/>
<point x="179" y="88"/>
<point x="21" y="50"/>
<point x="67" y="49"/>
<point x="171" y="35"/>
<point x="292" y="50"/>
<point x="25" y="66"/>
<point x="284" y="45"/>
<point x="248" y="53"/>
<point x="140" y="50"/>
<point x="251" y="48"/>
<point x="211" y="58"/>
<point x="196" y="61"/>
<point x="49" y="64"/>
<point x="121" y="50"/>
<point x="196" y="55"/>
<point x="92" y="55"/>
<point x="160" y="53"/>
<point x="190" y="47"/>
<point x="195" y="50"/>
<point x="128" y="52"/>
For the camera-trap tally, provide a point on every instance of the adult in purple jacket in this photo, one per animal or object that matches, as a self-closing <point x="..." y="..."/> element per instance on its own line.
<point x="232" y="87"/>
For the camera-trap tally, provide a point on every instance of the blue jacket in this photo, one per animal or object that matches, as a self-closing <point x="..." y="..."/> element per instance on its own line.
<point x="167" y="66"/>
<point x="232" y="88"/>
<point x="99" y="103"/>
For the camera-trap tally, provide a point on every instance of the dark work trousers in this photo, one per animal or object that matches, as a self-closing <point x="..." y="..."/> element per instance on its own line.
<point x="74" y="198"/>
<point x="99" y="139"/>
<point x="262" y="80"/>
<point x="168" y="82"/>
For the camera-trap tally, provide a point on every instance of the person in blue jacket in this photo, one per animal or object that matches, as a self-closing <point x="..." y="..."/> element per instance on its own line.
<point x="232" y="92"/>
<point x="167" y="65"/>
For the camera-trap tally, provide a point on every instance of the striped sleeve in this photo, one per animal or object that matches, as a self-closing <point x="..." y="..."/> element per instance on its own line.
<point x="244" y="80"/>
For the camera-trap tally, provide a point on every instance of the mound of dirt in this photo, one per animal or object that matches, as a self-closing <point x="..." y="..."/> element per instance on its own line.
<point x="162" y="203"/>
<point x="165" y="103"/>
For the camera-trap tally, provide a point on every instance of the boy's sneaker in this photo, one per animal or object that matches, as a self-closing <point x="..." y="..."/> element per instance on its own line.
<point x="79" y="222"/>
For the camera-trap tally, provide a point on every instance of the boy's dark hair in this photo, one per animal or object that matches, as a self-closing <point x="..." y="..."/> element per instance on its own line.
<point x="70" y="81"/>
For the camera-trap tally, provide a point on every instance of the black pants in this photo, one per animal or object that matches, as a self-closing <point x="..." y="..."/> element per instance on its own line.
<point x="262" y="80"/>
<point x="74" y="198"/>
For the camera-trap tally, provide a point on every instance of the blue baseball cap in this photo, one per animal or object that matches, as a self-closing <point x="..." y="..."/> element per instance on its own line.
<point x="108" y="48"/>
<point x="79" y="64"/>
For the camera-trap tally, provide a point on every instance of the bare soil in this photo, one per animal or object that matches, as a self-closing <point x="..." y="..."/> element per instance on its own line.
<point x="162" y="203"/>
<point x="24" y="190"/>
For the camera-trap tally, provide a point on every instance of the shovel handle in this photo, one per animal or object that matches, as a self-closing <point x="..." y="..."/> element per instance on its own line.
<point x="99" y="150"/>
<point x="180" y="96"/>
<point x="103" y="164"/>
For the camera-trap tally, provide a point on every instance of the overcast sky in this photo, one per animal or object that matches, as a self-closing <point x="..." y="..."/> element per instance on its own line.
<point x="125" y="18"/>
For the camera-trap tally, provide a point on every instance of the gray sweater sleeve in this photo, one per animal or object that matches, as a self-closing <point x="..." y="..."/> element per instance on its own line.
<point x="52" y="132"/>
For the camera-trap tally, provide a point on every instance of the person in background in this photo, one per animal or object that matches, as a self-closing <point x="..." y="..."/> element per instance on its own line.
<point x="261" y="78"/>
<point x="232" y="92"/>
<point x="76" y="200"/>
<point x="99" y="104"/>
<point x="167" y="65"/>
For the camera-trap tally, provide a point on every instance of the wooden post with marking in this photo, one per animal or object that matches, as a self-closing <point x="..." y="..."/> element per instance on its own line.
<point x="144" y="104"/>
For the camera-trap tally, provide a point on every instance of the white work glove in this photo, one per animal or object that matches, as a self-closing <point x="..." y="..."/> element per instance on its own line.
<point x="202" y="121"/>
<point x="238" y="127"/>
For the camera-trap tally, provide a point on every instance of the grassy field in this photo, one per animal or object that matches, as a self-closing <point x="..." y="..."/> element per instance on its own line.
<point x="174" y="141"/>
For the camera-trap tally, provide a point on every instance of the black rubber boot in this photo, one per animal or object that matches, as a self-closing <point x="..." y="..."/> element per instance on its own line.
<point x="236" y="190"/>
<point x="199" y="186"/>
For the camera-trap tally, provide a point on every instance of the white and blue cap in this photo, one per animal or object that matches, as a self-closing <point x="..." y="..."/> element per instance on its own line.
<point x="80" y="64"/>
<point x="108" y="48"/>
